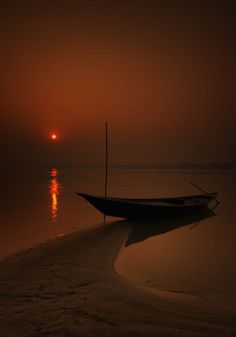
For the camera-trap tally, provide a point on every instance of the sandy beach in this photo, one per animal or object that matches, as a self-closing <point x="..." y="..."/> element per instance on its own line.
<point x="69" y="287"/>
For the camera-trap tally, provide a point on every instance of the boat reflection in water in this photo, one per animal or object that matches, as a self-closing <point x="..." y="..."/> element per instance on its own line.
<point x="54" y="188"/>
<point x="142" y="230"/>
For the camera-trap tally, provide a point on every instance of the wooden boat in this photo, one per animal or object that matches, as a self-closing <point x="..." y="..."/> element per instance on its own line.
<point x="130" y="208"/>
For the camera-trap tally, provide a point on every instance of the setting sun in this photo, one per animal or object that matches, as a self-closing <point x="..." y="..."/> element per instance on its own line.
<point x="54" y="136"/>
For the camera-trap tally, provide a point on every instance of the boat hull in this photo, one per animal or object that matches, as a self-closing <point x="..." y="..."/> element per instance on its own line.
<point x="148" y="208"/>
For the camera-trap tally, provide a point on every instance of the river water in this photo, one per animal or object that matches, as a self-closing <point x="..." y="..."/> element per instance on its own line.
<point x="191" y="255"/>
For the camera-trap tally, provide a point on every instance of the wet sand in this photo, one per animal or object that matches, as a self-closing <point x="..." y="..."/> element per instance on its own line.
<point x="68" y="287"/>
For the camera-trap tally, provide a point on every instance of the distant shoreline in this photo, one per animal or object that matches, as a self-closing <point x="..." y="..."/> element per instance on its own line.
<point x="208" y="167"/>
<point x="231" y="166"/>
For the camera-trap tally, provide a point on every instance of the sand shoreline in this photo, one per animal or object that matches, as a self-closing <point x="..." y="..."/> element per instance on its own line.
<point x="69" y="287"/>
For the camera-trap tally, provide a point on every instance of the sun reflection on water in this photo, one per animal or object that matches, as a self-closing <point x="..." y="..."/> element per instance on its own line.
<point x="54" y="188"/>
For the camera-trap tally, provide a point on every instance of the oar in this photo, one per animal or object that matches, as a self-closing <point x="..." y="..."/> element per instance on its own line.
<point x="200" y="189"/>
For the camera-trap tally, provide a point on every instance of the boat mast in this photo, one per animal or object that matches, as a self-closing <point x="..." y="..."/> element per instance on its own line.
<point x="106" y="160"/>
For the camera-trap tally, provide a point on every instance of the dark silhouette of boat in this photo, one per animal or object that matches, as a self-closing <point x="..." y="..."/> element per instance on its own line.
<point x="149" y="208"/>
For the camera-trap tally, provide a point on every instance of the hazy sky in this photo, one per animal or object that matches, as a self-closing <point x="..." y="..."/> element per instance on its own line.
<point x="160" y="72"/>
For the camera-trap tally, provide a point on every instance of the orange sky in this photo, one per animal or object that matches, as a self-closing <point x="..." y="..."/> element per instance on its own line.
<point x="161" y="75"/>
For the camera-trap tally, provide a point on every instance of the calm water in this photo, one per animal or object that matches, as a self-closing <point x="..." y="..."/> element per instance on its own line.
<point x="189" y="255"/>
<point x="41" y="204"/>
<point x="197" y="257"/>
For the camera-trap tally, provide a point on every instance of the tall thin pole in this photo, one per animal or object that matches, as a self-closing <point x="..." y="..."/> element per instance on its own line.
<point x="106" y="161"/>
<point x="106" y="164"/>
